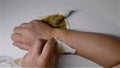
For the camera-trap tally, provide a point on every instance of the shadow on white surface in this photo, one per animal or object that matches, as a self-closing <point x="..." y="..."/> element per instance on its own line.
<point x="74" y="61"/>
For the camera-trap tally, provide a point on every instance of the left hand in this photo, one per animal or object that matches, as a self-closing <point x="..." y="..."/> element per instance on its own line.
<point x="41" y="55"/>
<point x="26" y="34"/>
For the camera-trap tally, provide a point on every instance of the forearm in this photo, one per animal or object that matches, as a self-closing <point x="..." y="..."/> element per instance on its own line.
<point x="102" y="49"/>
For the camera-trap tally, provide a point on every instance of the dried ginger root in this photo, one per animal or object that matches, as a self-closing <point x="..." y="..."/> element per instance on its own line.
<point x="55" y="21"/>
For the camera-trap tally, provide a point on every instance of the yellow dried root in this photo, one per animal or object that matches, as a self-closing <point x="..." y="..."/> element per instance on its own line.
<point x="55" y="21"/>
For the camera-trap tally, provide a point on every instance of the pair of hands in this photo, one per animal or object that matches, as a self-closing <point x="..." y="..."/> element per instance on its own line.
<point x="26" y="37"/>
<point x="41" y="53"/>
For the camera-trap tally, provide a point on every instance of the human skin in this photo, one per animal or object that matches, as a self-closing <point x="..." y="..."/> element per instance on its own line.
<point x="40" y="55"/>
<point x="100" y="48"/>
<point x="117" y="66"/>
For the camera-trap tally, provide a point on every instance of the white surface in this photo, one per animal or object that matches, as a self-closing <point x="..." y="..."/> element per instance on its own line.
<point x="119" y="15"/>
<point x="0" y="27"/>
<point x="92" y="15"/>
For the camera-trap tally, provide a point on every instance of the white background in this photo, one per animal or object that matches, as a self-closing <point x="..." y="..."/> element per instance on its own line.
<point x="100" y="16"/>
<point x="0" y="27"/>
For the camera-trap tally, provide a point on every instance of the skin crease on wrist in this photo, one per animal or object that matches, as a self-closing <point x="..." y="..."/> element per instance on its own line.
<point x="94" y="46"/>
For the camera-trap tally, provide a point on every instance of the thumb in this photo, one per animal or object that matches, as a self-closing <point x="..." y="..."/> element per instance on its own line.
<point x="37" y="47"/>
<point x="49" y="48"/>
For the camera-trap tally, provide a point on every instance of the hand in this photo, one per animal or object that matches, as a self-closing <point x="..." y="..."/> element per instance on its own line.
<point x="117" y="66"/>
<point x="41" y="55"/>
<point x="27" y="33"/>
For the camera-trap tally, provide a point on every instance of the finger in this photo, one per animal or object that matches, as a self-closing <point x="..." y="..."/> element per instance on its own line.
<point x="117" y="66"/>
<point x="25" y="56"/>
<point x="48" y="48"/>
<point x="36" y="48"/>
<point x="25" y="25"/>
<point x="35" y="20"/>
<point x="16" y="37"/>
<point x="53" y="56"/>
<point x="21" y="39"/>
<point x="20" y="30"/>
<point x="22" y="46"/>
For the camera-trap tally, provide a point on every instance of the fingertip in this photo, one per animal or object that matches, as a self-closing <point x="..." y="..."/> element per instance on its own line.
<point x="37" y="43"/>
<point x="24" y="25"/>
<point x="36" y="20"/>
<point x="16" y="43"/>
<point x="55" y="43"/>
<point x="49" y="47"/>
<point x="37" y="47"/>
<point x="52" y="40"/>
<point x="15" y="28"/>
<point x="21" y="46"/>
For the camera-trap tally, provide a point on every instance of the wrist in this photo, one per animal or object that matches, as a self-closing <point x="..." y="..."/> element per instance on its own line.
<point x="59" y="33"/>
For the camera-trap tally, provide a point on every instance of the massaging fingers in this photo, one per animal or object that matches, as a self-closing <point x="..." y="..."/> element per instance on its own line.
<point x="53" y="55"/>
<point x="48" y="49"/>
<point x="36" y="48"/>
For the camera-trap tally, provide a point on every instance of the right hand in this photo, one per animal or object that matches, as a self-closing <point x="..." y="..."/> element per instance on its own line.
<point x="117" y="66"/>
<point x="41" y="55"/>
<point x="25" y="34"/>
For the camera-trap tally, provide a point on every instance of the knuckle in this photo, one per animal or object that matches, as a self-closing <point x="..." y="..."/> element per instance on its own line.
<point x="12" y="36"/>
<point x="27" y="30"/>
<point x="35" y="21"/>
<point x="25" y="25"/>
<point x="15" y="29"/>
